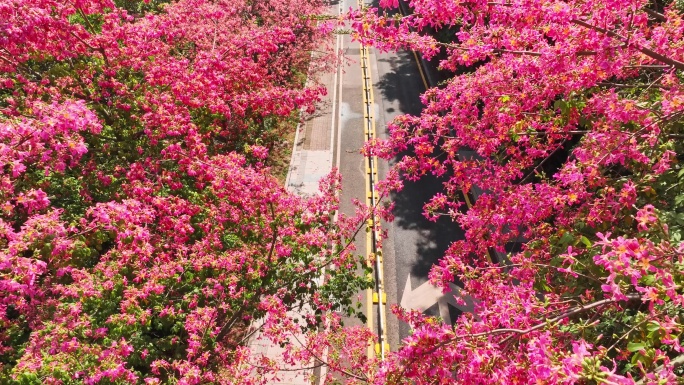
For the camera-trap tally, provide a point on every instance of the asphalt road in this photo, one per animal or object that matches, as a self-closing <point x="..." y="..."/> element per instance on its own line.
<point x="414" y="244"/>
<point x="333" y="138"/>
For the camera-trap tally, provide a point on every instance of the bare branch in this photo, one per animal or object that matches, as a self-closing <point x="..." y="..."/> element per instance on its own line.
<point x="648" y="52"/>
<point x="574" y="311"/>
<point x="675" y="363"/>
<point x="515" y="52"/>
<point x="656" y="15"/>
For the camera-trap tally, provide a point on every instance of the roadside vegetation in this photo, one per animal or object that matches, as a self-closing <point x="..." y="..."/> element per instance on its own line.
<point x="143" y="228"/>
<point x="142" y="231"/>
<point x="576" y="113"/>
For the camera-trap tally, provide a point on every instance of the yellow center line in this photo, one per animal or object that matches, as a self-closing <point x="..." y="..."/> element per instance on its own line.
<point x="374" y="254"/>
<point x="427" y="87"/>
<point x="420" y="70"/>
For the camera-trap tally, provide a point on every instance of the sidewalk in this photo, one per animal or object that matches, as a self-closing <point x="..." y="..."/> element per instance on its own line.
<point x="312" y="159"/>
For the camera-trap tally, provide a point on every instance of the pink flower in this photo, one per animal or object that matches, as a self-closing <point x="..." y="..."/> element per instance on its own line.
<point x="645" y="217"/>
<point x="259" y="152"/>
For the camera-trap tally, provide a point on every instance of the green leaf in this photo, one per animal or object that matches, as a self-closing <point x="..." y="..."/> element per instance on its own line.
<point x="653" y="326"/>
<point x="648" y="280"/>
<point x="566" y="239"/>
<point x="679" y="199"/>
<point x="635" y="346"/>
<point x="586" y="241"/>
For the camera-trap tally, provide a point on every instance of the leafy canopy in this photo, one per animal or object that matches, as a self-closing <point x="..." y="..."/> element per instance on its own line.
<point x="568" y="117"/>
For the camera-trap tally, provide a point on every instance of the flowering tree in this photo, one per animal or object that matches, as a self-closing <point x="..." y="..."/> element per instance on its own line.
<point x="141" y="232"/>
<point x="574" y="110"/>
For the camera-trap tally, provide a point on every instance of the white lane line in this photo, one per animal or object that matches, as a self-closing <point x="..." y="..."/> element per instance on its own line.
<point x="334" y="118"/>
<point x="334" y="101"/>
<point x="339" y="95"/>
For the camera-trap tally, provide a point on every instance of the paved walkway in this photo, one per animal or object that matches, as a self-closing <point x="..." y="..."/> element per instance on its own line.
<point x="312" y="156"/>
<point x="312" y="159"/>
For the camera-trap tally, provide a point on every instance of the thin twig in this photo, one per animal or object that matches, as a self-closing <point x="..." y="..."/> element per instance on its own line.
<point x="646" y="51"/>
<point x="364" y="379"/>
<point x="536" y="168"/>
<point x="515" y="52"/>
<point x="650" y="67"/>
<point x="519" y="332"/>
<point x="656" y="15"/>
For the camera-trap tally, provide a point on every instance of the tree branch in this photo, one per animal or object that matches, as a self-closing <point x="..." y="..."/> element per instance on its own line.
<point x="656" y="15"/>
<point x="648" y="52"/>
<point x="537" y="167"/>
<point x="515" y="52"/>
<point x="574" y="311"/>
<point x="675" y="363"/>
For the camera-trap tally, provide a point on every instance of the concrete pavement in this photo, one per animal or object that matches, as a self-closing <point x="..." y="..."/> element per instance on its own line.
<point x="333" y="138"/>
<point x="312" y="159"/>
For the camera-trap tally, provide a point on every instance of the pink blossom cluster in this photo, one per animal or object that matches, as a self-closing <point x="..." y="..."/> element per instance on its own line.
<point x="141" y="232"/>
<point x="573" y="110"/>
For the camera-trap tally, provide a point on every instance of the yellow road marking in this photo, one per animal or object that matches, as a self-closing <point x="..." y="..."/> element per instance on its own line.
<point x="372" y="238"/>
<point x="425" y="84"/>
<point x="420" y="70"/>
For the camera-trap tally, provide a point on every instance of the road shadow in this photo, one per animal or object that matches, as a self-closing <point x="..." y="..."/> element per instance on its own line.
<point x="403" y="86"/>
<point x="433" y="238"/>
<point x="418" y="243"/>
